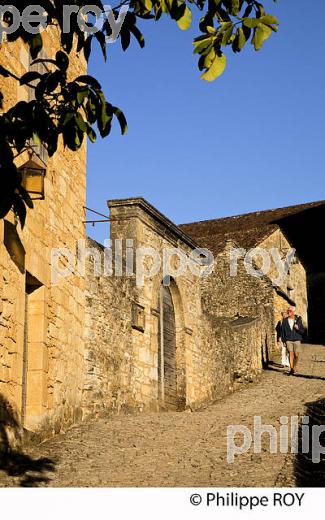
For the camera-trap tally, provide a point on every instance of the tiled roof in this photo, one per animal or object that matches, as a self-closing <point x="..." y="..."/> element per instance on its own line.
<point x="246" y="230"/>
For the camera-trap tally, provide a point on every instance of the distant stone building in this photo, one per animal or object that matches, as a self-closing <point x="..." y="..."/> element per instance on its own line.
<point x="292" y="227"/>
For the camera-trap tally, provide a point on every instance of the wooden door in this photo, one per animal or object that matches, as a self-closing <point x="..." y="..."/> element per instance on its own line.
<point x="167" y="351"/>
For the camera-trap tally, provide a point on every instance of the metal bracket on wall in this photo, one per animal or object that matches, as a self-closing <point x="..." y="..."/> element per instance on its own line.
<point x="107" y="219"/>
<point x="93" y="222"/>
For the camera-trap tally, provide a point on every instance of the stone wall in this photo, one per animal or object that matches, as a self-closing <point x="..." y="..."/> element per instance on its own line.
<point x="109" y="350"/>
<point x="245" y="296"/>
<point x="294" y="285"/>
<point x="227" y="295"/>
<point x="120" y="351"/>
<point x="224" y="325"/>
<point x="241" y="296"/>
<point x="42" y="376"/>
<point x="232" y="354"/>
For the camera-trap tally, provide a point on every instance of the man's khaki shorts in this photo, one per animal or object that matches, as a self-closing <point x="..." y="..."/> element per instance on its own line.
<point x="294" y="346"/>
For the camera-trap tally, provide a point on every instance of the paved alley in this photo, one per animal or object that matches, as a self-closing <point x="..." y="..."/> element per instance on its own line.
<point x="182" y="449"/>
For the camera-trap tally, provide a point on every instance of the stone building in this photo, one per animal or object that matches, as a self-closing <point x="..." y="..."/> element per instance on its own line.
<point x="284" y="228"/>
<point x="41" y="325"/>
<point x="157" y="347"/>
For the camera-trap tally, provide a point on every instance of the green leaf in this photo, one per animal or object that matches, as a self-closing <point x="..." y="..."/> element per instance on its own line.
<point x="164" y="6"/>
<point x="89" y="80"/>
<point x="91" y="134"/>
<point x="268" y="19"/>
<point x="260" y="8"/>
<point x="147" y="4"/>
<point x="262" y="33"/>
<point x="185" y="21"/>
<point x="53" y="80"/>
<point x="248" y="10"/>
<point x="81" y="123"/>
<point x="201" y="45"/>
<point x="67" y="118"/>
<point x="121" y="119"/>
<point x="29" y="77"/>
<point x="235" y="7"/>
<point x="158" y="11"/>
<point x="82" y="95"/>
<point x="227" y="35"/>
<point x="241" y="38"/>
<point x="209" y="58"/>
<point x="102" y="42"/>
<point x="62" y="61"/>
<point x="211" y="30"/>
<point x="35" y="46"/>
<point x="91" y="108"/>
<point x="251" y="22"/>
<point x="125" y="38"/>
<point x="36" y="138"/>
<point x="205" y="22"/>
<point x="201" y="63"/>
<point x="138" y="35"/>
<point x="104" y="116"/>
<point x="216" y="69"/>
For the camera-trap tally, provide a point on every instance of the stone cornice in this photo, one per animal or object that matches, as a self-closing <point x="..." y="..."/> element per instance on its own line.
<point x="148" y="208"/>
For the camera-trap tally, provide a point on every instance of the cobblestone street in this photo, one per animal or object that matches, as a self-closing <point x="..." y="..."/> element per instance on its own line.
<point x="181" y="449"/>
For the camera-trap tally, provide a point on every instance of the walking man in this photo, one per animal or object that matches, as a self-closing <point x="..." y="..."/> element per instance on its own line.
<point x="292" y="333"/>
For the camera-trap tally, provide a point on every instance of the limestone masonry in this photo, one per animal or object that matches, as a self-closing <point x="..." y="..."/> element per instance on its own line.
<point x="41" y="326"/>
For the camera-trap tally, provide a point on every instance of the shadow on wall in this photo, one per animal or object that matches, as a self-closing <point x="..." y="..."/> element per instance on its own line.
<point x="309" y="473"/>
<point x="316" y="298"/>
<point x="13" y="461"/>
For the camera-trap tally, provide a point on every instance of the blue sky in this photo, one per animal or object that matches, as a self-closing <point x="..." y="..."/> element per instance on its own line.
<point x="253" y="139"/>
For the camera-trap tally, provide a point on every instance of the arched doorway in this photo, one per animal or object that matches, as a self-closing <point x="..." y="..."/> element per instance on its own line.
<point x="167" y="376"/>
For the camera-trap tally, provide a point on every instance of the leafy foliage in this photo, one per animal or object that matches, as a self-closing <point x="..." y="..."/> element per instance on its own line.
<point x="78" y="108"/>
<point x="230" y="23"/>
